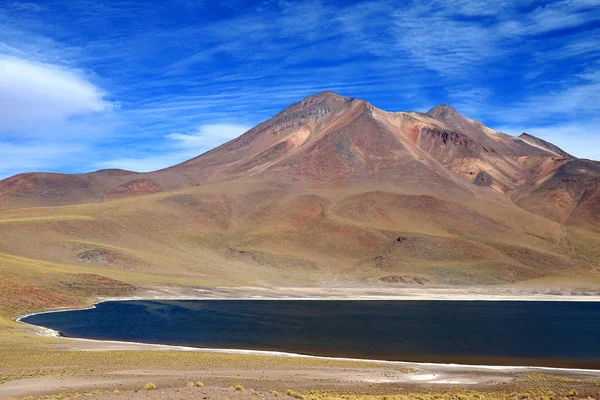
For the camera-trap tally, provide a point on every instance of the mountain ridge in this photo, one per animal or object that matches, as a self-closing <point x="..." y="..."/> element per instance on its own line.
<point x="329" y="139"/>
<point x="543" y="144"/>
<point x="331" y="191"/>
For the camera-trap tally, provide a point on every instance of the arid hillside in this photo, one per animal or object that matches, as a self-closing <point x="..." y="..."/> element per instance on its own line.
<point x="330" y="191"/>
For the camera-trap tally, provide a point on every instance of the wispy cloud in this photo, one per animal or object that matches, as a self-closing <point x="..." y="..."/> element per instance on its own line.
<point x="24" y="6"/>
<point x="568" y="117"/>
<point x="576" y="98"/>
<point x="178" y="147"/>
<point x="207" y="136"/>
<point x="564" y="14"/>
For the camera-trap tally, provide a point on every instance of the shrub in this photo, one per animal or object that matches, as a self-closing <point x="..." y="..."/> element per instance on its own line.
<point x="296" y="395"/>
<point x="573" y="393"/>
<point x="150" y="386"/>
<point x="190" y="384"/>
<point x="238" y="387"/>
<point x="199" y="384"/>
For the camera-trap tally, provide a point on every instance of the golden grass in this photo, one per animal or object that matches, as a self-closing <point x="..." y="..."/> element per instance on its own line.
<point x="539" y="393"/>
<point x="33" y="356"/>
<point x="562" y="379"/>
<point x="453" y="394"/>
<point x="66" y="217"/>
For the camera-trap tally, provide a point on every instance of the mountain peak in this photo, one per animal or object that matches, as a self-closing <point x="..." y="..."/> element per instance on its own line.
<point x="329" y="94"/>
<point x="441" y="110"/>
<point x="327" y="97"/>
<point x="320" y="103"/>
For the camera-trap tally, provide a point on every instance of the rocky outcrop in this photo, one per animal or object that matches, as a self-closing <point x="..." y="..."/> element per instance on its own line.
<point x="135" y="187"/>
<point x="483" y="179"/>
<point x="408" y="280"/>
<point x="111" y="258"/>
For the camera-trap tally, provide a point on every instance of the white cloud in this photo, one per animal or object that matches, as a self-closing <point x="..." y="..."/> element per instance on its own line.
<point x="28" y="7"/>
<point x="577" y="100"/>
<point x="31" y="156"/>
<point x="179" y="148"/>
<point x="468" y="100"/>
<point x="208" y="136"/>
<point x="144" y="163"/>
<point x="436" y="35"/>
<point x="564" y="14"/>
<point x="33" y="95"/>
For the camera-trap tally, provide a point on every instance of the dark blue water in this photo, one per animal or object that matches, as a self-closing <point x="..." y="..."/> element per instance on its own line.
<point x="477" y="332"/>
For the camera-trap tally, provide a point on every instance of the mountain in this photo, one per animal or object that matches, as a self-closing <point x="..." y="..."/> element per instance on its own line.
<point x="544" y="145"/>
<point x="331" y="190"/>
<point x="324" y="138"/>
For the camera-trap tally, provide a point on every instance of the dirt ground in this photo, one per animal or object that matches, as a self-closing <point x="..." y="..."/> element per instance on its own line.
<point x="113" y="370"/>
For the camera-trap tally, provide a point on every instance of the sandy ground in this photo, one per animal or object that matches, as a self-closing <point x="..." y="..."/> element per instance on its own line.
<point x="364" y="292"/>
<point x="219" y="382"/>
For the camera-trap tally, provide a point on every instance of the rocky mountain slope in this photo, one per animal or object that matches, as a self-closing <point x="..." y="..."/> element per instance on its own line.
<point x="544" y="145"/>
<point x="330" y="139"/>
<point x="330" y="190"/>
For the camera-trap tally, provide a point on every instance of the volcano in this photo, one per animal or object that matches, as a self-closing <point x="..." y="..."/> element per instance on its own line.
<point x="331" y="189"/>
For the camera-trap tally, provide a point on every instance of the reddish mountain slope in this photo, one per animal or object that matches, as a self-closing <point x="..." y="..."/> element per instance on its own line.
<point x="51" y="189"/>
<point x="330" y="190"/>
<point x="569" y="193"/>
<point x="544" y="145"/>
<point x="329" y="139"/>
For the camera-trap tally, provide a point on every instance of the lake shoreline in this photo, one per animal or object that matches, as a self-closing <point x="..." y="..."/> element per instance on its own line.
<point x="108" y="345"/>
<point x="499" y="294"/>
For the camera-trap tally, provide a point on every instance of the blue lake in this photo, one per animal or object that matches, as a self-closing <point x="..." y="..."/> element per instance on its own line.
<point x="563" y="334"/>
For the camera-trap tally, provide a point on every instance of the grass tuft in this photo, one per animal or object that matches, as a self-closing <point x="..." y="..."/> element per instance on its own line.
<point x="294" y="394"/>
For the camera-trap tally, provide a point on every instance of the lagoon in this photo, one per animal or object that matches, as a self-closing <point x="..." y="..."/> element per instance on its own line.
<point x="565" y="334"/>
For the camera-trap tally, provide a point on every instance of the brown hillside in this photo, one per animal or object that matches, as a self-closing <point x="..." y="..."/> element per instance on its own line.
<point x="329" y="191"/>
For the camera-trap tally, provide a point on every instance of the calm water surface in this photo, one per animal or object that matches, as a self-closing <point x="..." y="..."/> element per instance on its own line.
<point x="477" y="332"/>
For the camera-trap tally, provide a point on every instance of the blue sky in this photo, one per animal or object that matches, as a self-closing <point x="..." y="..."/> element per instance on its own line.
<point x="141" y="85"/>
